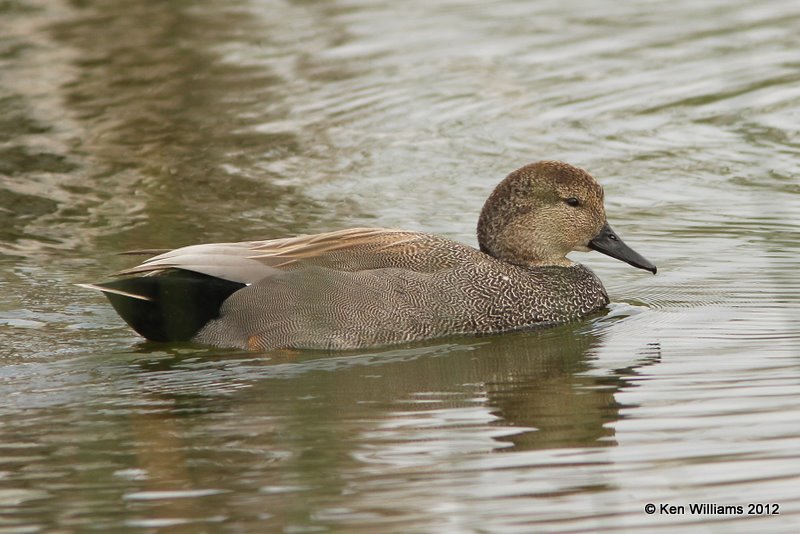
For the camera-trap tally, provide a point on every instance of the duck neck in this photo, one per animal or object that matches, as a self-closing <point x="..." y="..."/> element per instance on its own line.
<point x="517" y="250"/>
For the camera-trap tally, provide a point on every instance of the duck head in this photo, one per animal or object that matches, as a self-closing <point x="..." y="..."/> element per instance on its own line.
<point x="543" y="211"/>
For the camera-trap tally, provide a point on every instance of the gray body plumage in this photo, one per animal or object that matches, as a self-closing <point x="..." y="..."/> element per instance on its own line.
<point x="436" y="288"/>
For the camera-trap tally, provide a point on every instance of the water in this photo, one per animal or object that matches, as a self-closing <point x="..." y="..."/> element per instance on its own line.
<point x="160" y="124"/>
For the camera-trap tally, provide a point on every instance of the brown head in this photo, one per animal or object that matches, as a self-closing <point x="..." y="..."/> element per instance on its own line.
<point x="542" y="211"/>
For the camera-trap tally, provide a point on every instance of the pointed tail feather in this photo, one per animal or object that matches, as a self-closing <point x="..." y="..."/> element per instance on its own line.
<point x="100" y="287"/>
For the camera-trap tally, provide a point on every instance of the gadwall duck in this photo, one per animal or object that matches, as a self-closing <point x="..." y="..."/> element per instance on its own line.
<point x="365" y="287"/>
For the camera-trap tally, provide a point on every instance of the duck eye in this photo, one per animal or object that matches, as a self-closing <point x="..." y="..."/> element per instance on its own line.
<point x="572" y="201"/>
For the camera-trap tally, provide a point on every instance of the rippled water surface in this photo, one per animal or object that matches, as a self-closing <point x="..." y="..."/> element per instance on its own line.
<point x="157" y="124"/>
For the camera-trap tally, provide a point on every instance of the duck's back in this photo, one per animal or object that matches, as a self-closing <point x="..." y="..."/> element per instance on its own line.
<point x="443" y="288"/>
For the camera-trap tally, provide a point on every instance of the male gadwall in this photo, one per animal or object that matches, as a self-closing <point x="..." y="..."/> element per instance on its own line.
<point x="373" y="286"/>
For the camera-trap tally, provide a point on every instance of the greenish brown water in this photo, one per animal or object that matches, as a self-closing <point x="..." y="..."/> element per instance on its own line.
<point x="158" y="124"/>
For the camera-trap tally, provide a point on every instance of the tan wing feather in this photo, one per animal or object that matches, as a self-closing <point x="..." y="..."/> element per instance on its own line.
<point x="348" y="250"/>
<point x="357" y="249"/>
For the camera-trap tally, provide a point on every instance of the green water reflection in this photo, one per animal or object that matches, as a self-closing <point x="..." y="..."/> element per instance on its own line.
<point x="182" y="435"/>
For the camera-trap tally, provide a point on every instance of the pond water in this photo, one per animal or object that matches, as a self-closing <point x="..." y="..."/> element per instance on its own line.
<point x="158" y="124"/>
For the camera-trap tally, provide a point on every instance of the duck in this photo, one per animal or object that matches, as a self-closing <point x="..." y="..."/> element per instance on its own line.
<point x="366" y="287"/>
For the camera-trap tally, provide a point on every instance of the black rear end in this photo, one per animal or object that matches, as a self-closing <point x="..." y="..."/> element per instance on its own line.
<point x="178" y="303"/>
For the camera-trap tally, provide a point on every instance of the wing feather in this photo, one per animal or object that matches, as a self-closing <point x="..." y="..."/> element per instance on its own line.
<point x="348" y="250"/>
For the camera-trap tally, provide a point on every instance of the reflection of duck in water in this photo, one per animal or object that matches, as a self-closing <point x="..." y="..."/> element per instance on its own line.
<point x="372" y="286"/>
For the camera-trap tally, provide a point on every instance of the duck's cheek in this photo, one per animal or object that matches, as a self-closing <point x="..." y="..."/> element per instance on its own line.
<point x="581" y="248"/>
